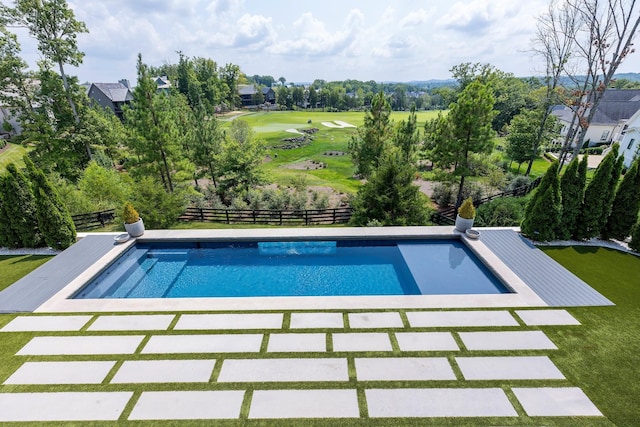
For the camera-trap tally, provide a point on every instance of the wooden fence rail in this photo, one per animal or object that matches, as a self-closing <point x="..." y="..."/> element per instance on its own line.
<point x="89" y="221"/>
<point x="268" y="217"/>
<point x="447" y="216"/>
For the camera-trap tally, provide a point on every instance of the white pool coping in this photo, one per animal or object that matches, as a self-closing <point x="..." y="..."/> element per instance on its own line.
<point x="523" y="296"/>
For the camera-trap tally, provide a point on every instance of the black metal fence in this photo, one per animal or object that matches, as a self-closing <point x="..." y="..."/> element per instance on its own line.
<point x="447" y="216"/>
<point x="89" y="221"/>
<point x="268" y="217"/>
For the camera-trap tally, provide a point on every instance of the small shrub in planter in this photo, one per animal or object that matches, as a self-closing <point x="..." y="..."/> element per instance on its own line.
<point x="132" y="221"/>
<point x="466" y="214"/>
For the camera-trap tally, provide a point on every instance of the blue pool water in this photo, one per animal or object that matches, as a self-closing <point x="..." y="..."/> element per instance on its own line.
<point x="180" y="270"/>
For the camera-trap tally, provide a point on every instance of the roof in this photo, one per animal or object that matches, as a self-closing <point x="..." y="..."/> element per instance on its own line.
<point x="246" y="89"/>
<point x="615" y="105"/>
<point x="116" y="92"/>
<point x="266" y="90"/>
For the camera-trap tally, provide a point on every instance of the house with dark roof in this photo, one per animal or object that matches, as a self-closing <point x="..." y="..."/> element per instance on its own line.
<point x="247" y="93"/>
<point x="630" y="140"/>
<point x="111" y="95"/>
<point x="163" y="83"/>
<point x="612" y="113"/>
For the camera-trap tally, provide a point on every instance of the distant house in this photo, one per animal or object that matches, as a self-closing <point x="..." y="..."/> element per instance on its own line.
<point x="163" y="83"/>
<point x="630" y="141"/>
<point x="111" y="95"/>
<point x="612" y="113"/>
<point x="247" y="93"/>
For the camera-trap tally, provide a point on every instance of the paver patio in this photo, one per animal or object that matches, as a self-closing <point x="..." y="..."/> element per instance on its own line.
<point x="546" y="317"/>
<point x="283" y="370"/>
<point x="136" y="322"/>
<point x="367" y="341"/>
<point x="375" y="320"/>
<point x="509" y="368"/>
<point x="229" y="321"/>
<point x="426" y="341"/>
<point x="316" y="320"/>
<point x="42" y="346"/>
<point x="46" y="323"/>
<point x="555" y="402"/>
<point x="275" y="404"/>
<point x="185" y="405"/>
<point x="236" y="343"/>
<point x="164" y="371"/>
<point x="297" y="343"/>
<point x="507" y="340"/>
<point x="63" y="406"/>
<point x="432" y="319"/>
<point x="403" y="369"/>
<point x="90" y="372"/>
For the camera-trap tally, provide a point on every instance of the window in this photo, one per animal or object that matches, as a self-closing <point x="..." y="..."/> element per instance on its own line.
<point x="630" y="144"/>
<point x="604" y="136"/>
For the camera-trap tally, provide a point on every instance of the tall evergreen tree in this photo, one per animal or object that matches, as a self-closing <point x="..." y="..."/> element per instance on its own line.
<point x="572" y="186"/>
<point x="8" y="237"/>
<point x="543" y="212"/>
<point x="54" y="221"/>
<point x="597" y="197"/>
<point x="635" y="238"/>
<point x="389" y="196"/>
<point x="626" y="205"/>
<point x="20" y="206"/>
<point x="367" y="146"/>
<point x="407" y="136"/>
<point x="468" y="131"/>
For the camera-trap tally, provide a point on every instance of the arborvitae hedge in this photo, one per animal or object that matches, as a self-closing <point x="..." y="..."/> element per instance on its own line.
<point x="54" y="221"/>
<point x="20" y="206"/>
<point x="596" y="197"/>
<point x="543" y="211"/>
<point x="624" y="212"/>
<point x="8" y="238"/>
<point x="572" y="190"/>
<point x="635" y="238"/>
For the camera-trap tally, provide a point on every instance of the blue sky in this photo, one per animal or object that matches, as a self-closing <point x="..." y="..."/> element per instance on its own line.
<point x="302" y="40"/>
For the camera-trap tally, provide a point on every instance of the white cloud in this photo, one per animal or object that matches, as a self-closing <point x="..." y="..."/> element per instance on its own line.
<point x="254" y="31"/>
<point x="415" y="18"/>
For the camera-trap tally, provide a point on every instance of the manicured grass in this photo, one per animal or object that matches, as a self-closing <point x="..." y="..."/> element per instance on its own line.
<point x="603" y="355"/>
<point x="12" y="154"/>
<point x="14" y="267"/>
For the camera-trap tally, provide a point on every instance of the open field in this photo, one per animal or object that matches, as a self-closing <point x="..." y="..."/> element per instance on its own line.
<point x="284" y="165"/>
<point x="13" y="153"/>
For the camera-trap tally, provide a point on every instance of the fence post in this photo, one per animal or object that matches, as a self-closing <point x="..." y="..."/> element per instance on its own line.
<point x="253" y="213"/>
<point x="334" y="217"/>
<point x="280" y="217"/>
<point x="201" y="215"/>
<point x="226" y="211"/>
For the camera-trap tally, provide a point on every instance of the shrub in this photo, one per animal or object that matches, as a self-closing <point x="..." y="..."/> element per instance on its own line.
<point x="158" y="208"/>
<point x="502" y="212"/>
<point x="466" y="209"/>
<point x="130" y="214"/>
<point x="442" y="194"/>
<point x="20" y="206"/>
<point x="322" y="202"/>
<point x="518" y="181"/>
<point x="299" y="200"/>
<point x="473" y="190"/>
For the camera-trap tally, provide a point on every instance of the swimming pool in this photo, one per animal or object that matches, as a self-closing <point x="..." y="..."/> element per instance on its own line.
<point x="293" y="268"/>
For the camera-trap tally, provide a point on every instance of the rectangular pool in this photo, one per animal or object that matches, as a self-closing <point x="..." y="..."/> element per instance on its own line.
<point x="296" y="268"/>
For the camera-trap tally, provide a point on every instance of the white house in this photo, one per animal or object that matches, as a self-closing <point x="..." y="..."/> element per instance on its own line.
<point x="612" y="113"/>
<point x="630" y="142"/>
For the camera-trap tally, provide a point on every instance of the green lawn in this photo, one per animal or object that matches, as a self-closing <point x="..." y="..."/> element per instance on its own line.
<point x="14" y="267"/>
<point x="12" y="154"/>
<point x="603" y="355"/>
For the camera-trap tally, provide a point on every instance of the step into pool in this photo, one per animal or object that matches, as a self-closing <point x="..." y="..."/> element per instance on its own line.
<point x="294" y="268"/>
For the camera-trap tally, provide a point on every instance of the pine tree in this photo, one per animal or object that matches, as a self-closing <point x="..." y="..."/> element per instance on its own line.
<point x="626" y="205"/>
<point x="389" y="196"/>
<point x="597" y="197"/>
<point x="20" y="206"/>
<point x="54" y="221"/>
<point x="367" y="146"/>
<point x="543" y="212"/>
<point x="572" y="190"/>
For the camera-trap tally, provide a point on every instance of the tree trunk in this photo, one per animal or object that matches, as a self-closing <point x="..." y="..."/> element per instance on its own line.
<point x="459" y="198"/>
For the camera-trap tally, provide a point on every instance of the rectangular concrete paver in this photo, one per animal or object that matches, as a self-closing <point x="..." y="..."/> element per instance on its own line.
<point x="164" y="371"/>
<point x="188" y="405"/>
<point x="43" y="346"/>
<point x="433" y="319"/>
<point x="230" y="321"/>
<point x="555" y="402"/>
<point x="285" y="370"/>
<point x="426" y="341"/>
<point x="375" y="320"/>
<point x="403" y="369"/>
<point x="365" y="341"/>
<point x="509" y="368"/>
<point x="304" y="404"/>
<point x="61" y="373"/>
<point x="438" y="402"/>
<point x="46" y="323"/>
<point x="62" y="406"/>
<point x="230" y="343"/>
<point x="136" y="322"/>
<point x="316" y="320"/>
<point x="297" y="342"/>
<point x="546" y="317"/>
<point x="507" y="340"/>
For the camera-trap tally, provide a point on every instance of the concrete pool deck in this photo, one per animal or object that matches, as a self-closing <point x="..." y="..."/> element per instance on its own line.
<point x="536" y="279"/>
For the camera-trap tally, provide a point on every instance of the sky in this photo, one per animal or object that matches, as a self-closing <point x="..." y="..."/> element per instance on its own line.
<point x="304" y="40"/>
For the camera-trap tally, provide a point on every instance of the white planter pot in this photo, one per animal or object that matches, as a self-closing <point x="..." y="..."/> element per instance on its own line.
<point x="463" y="224"/>
<point x="136" y="229"/>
